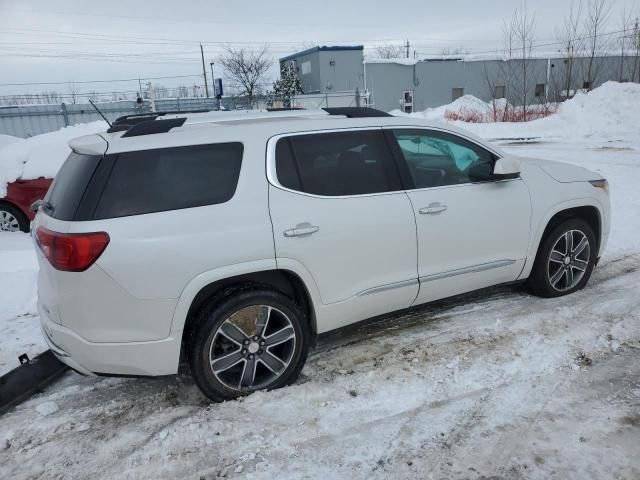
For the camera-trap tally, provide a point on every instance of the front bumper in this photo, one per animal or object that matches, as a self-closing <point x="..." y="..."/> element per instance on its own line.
<point x="153" y="358"/>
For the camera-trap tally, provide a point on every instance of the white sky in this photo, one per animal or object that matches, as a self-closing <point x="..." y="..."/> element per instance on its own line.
<point x="79" y="40"/>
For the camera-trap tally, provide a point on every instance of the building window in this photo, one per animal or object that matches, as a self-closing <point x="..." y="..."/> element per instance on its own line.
<point x="539" y="90"/>
<point x="305" y="68"/>
<point x="457" y="93"/>
<point x="500" y="91"/>
<point x="407" y="101"/>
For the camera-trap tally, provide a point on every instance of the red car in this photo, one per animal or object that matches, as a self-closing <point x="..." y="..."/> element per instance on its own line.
<point x="15" y="213"/>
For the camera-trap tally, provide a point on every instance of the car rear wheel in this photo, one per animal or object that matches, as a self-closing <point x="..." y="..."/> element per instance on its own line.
<point x="565" y="259"/>
<point x="12" y="219"/>
<point x="252" y="340"/>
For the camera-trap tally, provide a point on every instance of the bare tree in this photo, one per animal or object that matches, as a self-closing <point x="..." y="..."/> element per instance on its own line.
<point x="247" y="68"/>
<point x="569" y="37"/>
<point x="390" y="51"/>
<point x="598" y="12"/>
<point x="519" y="37"/>
<point x="73" y="92"/>
<point x="635" y="45"/>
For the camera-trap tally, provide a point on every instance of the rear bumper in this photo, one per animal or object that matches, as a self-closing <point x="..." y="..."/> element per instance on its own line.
<point x="153" y="358"/>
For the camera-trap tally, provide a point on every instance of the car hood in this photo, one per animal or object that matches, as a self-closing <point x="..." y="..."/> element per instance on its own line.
<point x="563" y="172"/>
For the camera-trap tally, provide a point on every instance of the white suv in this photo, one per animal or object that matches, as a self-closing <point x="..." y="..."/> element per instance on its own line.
<point x="232" y="240"/>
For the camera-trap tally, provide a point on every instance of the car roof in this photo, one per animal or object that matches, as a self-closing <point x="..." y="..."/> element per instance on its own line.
<point x="216" y="127"/>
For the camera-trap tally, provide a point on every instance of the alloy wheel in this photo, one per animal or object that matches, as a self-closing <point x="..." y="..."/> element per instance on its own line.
<point x="252" y="348"/>
<point x="8" y="222"/>
<point x="568" y="260"/>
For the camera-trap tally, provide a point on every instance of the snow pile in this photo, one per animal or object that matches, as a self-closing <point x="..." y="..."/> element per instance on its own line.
<point x="41" y="155"/>
<point x="609" y="112"/>
<point x="18" y="320"/>
<point x="7" y="140"/>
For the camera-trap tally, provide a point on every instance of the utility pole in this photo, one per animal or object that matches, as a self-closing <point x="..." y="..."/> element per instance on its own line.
<point x="407" y="47"/>
<point x="204" y="72"/>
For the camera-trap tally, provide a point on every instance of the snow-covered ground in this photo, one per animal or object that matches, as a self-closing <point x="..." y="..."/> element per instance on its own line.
<point x="498" y="384"/>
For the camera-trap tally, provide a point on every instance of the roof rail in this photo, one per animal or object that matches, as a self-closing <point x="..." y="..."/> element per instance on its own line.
<point x="356" y="112"/>
<point x="149" y="127"/>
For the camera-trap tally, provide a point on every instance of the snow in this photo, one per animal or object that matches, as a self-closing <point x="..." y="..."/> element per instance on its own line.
<point x="40" y="155"/>
<point x="496" y="384"/>
<point x="7" y="140"/>
<point x="19" y="324"/>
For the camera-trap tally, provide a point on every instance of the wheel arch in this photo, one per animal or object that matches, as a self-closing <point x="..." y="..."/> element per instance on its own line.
<point x="214" y="287"/>
<point x="590" y="212"/>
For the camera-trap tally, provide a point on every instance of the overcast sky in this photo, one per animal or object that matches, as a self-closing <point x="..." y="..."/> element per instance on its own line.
<point x="79" y="40"/>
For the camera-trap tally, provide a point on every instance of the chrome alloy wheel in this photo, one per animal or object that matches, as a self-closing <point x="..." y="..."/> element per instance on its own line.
<point x="569" y="260"/>
<point x="8" y="222"/>
<point x="252" y="348"/>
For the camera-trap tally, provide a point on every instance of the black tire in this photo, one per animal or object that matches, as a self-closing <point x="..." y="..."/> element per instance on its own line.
<point x="205" y="331"/>
<point x="15" y="212"/>
<point x="539" y="281"/>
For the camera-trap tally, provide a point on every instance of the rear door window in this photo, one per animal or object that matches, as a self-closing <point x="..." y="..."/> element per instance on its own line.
<point x="69" y="185"/>
<point x="170" y="179"/>
<point x="337" y="163"/>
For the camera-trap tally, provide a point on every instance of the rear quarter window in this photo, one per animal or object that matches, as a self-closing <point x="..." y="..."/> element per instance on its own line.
<point x="71" y="181"/>
<point x="170" y="179"/>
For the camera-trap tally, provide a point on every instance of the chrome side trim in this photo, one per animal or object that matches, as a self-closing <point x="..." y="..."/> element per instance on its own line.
<point x="390" y="286"/>
<point x="473" y="269"/>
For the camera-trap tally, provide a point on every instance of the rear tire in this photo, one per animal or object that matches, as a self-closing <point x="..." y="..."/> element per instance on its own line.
<point x="248" y="340"/>
<point x="12" y="219"/>
<point x="565" y="260"/>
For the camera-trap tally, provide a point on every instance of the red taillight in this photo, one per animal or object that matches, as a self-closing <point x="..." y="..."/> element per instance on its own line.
<point x="71" y="252"/>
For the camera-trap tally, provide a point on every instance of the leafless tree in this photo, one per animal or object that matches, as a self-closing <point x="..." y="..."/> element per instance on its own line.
<point x="635" y="46"/>
<point x="597" y="15"/>
<point x="247" y="68"/>
<point x="519" y="36"/>
<point x="390" y="51"/>
<point x="568" y="35"/>
<point x="73" y="92"/>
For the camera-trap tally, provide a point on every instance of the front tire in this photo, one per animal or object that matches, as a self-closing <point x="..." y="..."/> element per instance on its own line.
<point x="249" y="340"/>
<point x="565" y="259"/>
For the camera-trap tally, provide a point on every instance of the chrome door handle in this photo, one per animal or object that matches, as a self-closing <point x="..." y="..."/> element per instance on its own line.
<point x="433" y="208"/>
<point x="301" y="230"/>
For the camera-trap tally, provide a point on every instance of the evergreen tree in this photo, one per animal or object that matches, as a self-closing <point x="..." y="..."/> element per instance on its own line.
<point x="287" y="86"/>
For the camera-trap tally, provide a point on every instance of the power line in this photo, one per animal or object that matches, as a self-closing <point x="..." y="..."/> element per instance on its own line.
<point x="97" y="81"/>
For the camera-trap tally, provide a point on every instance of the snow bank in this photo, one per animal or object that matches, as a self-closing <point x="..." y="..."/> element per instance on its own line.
<point x="41" y="155"/>
<point x="609" y="112"/>
<point x="7" y="140"/>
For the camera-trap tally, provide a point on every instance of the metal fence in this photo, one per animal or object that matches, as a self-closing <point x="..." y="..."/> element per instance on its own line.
<point x="26" y="121"/>
<point x="353" y="98"/>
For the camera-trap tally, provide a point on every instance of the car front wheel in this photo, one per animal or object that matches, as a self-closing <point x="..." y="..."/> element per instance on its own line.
<point x="251" y="340"/>
<point x="565" y="259"/>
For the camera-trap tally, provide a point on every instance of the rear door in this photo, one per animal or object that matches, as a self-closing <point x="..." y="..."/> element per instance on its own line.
<point x="339" y="212"/>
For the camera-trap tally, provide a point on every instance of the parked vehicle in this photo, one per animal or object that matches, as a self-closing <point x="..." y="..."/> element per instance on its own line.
<point x="15" y="212"/>
<point x="232" y="243"/>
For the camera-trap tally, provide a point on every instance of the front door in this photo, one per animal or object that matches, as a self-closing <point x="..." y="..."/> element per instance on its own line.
<point x="473" y="231"/>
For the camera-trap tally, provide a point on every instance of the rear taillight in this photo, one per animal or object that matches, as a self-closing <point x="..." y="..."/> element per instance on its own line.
<point x="71" y="252"/>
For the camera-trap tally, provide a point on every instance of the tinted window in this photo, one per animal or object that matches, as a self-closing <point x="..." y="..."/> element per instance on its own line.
<point x="435" y="159"/>
<point x="171" y="178"/>
<point x="333" y="164"/>
<point x="70" y="184"/>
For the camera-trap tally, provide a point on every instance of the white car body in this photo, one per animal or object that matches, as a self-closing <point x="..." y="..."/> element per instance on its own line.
<point x="126" y="313"/>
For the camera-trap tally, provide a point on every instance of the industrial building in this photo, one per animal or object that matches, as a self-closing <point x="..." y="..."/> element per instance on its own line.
<point x="417" y="84"/>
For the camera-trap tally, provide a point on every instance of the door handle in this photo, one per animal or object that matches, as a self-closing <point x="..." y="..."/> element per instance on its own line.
<point x="433" y="209"/>
<point x="301" y="230"/>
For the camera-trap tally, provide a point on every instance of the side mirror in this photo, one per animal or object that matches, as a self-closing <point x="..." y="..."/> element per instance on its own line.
<point x="506" y="168"/>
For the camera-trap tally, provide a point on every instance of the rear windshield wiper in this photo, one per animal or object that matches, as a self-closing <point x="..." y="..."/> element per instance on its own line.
<point x="38" y="204"/>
